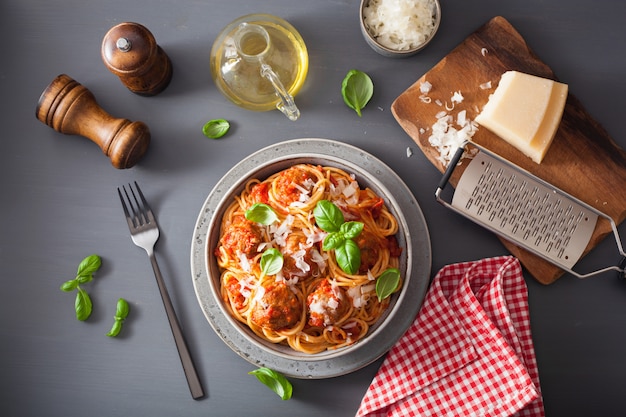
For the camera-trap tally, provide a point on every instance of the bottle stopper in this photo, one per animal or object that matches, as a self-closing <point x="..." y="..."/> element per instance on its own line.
<point x="130" y="51"/>
<point x="68" y="107"/>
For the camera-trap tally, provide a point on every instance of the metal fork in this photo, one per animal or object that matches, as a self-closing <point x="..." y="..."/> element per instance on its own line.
<point x="144" y="232"/>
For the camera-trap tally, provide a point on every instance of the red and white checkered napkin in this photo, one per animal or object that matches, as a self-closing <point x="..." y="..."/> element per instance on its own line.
<point x="469" y="351"/>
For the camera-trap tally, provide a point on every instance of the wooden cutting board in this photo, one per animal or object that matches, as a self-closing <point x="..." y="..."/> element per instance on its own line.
<point x="583" y="159"/>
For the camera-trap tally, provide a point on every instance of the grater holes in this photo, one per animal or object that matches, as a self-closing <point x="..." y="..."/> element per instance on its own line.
<point x="523" y="209"/>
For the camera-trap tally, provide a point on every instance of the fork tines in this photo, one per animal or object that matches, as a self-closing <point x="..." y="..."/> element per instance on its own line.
<point x="141" y="212"/>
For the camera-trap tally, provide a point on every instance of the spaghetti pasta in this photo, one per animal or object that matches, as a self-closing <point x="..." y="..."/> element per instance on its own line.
<point x="310" y="304"/>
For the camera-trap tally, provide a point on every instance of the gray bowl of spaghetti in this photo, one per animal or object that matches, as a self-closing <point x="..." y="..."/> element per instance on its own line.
<point x="273" y="258"/>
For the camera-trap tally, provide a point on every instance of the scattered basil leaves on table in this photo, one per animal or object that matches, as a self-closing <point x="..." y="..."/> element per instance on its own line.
<point x="216" y="128"/>
<point x="275" y="381"/>
<point x="271" y="262"/>
<point x="357" y="89"/>
<point x="387" y="283"/>
<point x="261" y="213"/>
<point x="330" y="219"/>
<point x="121" y="312"/>
<point x="84" y="274"/>
<point x="82" y="305"/>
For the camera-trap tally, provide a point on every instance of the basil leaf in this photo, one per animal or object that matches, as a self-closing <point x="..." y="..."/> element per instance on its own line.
<point x="121" y="313"/>
<point x="387" y="283"/>
<point x="261" y="213"/>
<point x="82" y="305"/>
<point x="116" y="329"/>
<point x="83" y="279"/>
<point x="216" y="128"/>
<point x="69" y="285"/>
<point x="357" y="89"/>
<point x="89" y="265"/>
<point x="333" y="241"/>
<point x="271" y="262"/>
<point x="328" y="217"/>
<point x="351" y="229"/>
<point x="122" y="309"/>
<point x="348" y="257"/>
<point x="275" y="381"/>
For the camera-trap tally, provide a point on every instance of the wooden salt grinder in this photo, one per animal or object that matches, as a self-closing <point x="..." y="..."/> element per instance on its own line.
<point x="130" y="52"/>
<point x="68" y="107"/>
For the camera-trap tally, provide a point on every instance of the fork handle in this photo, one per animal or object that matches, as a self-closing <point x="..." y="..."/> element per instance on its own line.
<point x="195" y="386"/>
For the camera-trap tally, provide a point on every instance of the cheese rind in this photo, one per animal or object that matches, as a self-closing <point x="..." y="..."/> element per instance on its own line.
<point x="525" y="110"/>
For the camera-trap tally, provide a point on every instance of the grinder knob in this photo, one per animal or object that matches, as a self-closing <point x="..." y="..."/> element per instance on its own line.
<point x="130" y="52"/>
<point x="68" y="107"/>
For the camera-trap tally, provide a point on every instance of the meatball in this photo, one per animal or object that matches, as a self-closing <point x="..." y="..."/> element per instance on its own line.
<point x="277" y="308"/>
<point x="259" y="193"/>
<point x="242" y="236"/>
<point x="326" y="304"/>
<point x="299" y="260"/>
<point x="370" y="246"/>
<point x="291" y="183"/>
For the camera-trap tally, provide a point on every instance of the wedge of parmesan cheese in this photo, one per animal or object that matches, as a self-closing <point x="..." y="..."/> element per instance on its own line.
<point x="525" y="110"/>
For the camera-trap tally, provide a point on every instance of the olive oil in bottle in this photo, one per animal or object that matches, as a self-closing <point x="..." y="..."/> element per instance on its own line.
<point x="260" y="62"/>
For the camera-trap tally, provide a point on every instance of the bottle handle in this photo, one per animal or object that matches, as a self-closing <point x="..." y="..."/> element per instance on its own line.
<point x="286" y="104"/>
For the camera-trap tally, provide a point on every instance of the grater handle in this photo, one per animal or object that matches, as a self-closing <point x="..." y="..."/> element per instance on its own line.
<point x="451" y="165"/>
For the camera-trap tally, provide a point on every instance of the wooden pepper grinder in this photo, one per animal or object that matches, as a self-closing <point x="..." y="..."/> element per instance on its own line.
<point x="68" y="107"/>
<point x="130" y="52"/>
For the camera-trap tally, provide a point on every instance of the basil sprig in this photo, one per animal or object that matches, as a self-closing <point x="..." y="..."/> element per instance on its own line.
<point x="216" y="128"/>
<point x="271" y="262"/>
<point x="121" y="313"/>
<point x="84" y="274"/>
<point x="387" y="283"/>
<point x="330" y="219"/>
<point x="261" y="213"/>
<point x="275" y="381"/>
<point x="357" y="89"/>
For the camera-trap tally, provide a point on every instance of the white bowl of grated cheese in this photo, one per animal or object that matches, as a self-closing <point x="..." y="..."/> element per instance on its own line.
<point x="399" y="28"/>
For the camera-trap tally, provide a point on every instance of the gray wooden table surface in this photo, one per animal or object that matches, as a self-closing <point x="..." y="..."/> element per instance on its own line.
<point x="59" y="202"/>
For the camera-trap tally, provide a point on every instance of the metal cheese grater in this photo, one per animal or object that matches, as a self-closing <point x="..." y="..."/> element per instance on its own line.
<point x="525" y="210"/>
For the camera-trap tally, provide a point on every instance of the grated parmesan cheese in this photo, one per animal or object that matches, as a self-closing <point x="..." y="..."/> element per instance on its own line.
<point x="244" y="262"/>
<point x="355" y="294"/>
<point x="246" y="286"/>
<point x="301" y="263"/>
<point x="319" y="259"/>
<point x="425" y="99"/>
<point x="448" y="132"/>
<point x="457" y="97"/>
<point x="446" y="138"/>
<point x="282" y="231"/>
<point x="351" y="189"/>
<point x="400" y="24"/>
<point x="258" y="296"/>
